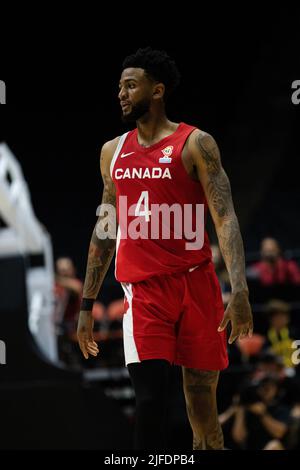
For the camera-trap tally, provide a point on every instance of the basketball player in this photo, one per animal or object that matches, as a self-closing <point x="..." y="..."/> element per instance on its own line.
<point x="174" y="312"/>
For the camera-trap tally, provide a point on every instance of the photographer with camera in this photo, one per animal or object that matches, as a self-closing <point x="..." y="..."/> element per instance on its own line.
<point x="260" y="421"/>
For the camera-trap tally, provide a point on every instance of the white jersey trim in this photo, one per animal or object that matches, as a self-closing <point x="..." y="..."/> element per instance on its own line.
<point x="117" y="151"/>
<point x="117" y="248"/>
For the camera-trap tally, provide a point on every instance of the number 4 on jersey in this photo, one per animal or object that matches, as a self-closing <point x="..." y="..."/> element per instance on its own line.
<point x="142" y="206"/>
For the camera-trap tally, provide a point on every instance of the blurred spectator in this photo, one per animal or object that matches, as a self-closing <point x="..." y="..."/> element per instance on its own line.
<point x="68" y="293"/>
<point x="293" y="440"/>
<point x="221" y="272"/>
<point x="280" y="335"/>
<point x="260" y="418"/>
<point x="273" y="269"/>
<point x="98" y="313"/>
<point x="100" y="321"/>
<point x="269" y="364"/>
<point x="115" y="348"/>
<point x="226" y="420"/>
<point x="108" y="333"/>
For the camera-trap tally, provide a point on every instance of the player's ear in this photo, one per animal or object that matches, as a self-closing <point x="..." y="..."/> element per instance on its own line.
<point x="158" y="91"/>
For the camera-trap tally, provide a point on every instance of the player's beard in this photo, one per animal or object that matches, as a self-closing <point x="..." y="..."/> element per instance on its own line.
<point x="137" y="111"/>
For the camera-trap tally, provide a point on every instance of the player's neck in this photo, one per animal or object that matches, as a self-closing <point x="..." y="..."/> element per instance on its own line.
<point x="151" y="129"/>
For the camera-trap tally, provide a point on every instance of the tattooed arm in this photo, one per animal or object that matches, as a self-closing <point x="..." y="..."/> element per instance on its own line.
<point x="206" y="159"/>
<point x="99" y="257"/>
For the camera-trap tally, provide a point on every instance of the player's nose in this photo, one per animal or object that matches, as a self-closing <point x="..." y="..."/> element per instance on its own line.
<point x="122" y="94"/>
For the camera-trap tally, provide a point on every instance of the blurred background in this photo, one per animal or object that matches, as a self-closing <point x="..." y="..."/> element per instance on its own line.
<point x="237" y="76"/>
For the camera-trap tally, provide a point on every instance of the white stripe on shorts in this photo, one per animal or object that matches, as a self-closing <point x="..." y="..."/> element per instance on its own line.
<point x="130" y="351"/>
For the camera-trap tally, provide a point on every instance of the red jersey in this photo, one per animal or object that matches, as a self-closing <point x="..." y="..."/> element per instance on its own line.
<point x="151" y="242"/>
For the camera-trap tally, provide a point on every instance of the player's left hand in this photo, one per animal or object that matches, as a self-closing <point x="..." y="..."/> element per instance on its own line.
<point x="238" y="312"/>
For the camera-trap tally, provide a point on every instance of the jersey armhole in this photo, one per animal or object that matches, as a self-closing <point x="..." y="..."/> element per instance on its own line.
<point x="117" y="151"/>
<point x="187" y="136"/>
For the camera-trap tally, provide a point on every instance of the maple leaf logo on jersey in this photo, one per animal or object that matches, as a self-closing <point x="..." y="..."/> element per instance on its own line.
<point x="167" y="152"/>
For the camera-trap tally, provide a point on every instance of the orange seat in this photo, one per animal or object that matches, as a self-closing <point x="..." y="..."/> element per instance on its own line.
<point x="251" y="346"/>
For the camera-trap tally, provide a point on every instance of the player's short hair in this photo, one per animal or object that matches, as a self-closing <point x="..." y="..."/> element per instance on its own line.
<point x="157" y="65"/>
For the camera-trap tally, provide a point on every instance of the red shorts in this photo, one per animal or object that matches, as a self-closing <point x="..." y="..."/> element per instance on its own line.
<point x="176" y="317"/>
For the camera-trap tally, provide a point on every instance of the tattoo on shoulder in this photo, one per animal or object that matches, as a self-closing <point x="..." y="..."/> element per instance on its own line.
<point x="219" y="192"/>
<point x="210" y="152"/>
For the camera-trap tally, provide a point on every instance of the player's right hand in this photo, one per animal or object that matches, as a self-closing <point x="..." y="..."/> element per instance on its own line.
<point x="85" y="334"/>
<point x="238" y="313"/>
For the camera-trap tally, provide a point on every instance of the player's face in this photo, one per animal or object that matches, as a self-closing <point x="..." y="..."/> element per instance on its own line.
<point x="135" y="94"/>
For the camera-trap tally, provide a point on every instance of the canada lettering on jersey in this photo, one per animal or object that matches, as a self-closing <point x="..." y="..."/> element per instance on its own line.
<point x="143" y="173"/>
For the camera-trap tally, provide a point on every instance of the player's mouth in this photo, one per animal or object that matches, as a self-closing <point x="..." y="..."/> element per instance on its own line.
<point x="124" y="105"/>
